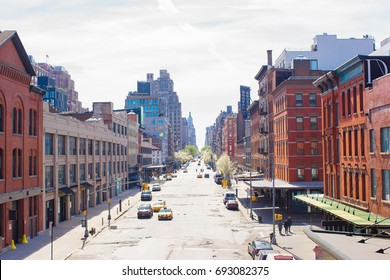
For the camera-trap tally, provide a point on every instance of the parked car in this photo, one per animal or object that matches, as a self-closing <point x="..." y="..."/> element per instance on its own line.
<point x="169" y="178"/>
<point x="199" y="175"/>
<point x="158" y="205"/>
<point x="232" y="204"/>
<point x="146" y="195"/>
<point x="156" y="187"/>
<point x="228" y="196"/>
<point x="165" y="214"/>
<point x="207" y="175"/>
<point x="218" y="178"/>
<point x="145" y="211"/>
<point x="257" y="247"/>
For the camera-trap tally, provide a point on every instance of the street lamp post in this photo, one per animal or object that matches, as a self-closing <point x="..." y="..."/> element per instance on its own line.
<point x="250" y="193"/>
<point x="109" y="210"/>
<point x="273" y="204"/>
<point x="86" y="225"/>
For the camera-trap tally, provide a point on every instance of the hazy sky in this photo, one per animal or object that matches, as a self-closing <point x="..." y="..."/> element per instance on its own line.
<point x="209" y="47"/>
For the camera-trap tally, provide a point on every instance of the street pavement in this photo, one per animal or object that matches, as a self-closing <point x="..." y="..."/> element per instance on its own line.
<point x="68" y="236"/>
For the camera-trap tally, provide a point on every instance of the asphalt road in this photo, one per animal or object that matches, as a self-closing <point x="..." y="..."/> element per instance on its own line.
<point x="202" y="228"/>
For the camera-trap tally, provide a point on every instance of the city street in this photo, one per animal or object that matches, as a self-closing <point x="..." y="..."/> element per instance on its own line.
<point x="202" y="228"/>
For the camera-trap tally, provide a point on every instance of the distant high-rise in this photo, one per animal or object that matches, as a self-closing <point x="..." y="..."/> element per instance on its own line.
<point x="245" y="100"/>
<point x="191" y="131"/>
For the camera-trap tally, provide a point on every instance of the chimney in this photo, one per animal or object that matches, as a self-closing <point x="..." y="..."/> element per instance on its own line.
<point x="269" y="57"/>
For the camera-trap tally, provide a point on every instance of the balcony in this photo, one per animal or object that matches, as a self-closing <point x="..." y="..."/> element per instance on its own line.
<point x="263" y="112"/>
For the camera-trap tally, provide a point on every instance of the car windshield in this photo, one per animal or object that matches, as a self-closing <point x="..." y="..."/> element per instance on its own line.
<point x="144" y="207"/>
<point x="231" y="196"/>
<point x="156" y="185"/>
<point x="263" y="245"/>
<point x="165" y="210"/>
<point x="159" y="203"/>
<point x="146" y="192"/>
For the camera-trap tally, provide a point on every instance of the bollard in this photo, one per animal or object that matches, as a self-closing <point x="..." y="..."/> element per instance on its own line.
<point x="24" y="239"/>
<point x="128" y="202"/>
<point x="120" y="205"/>
<point x="102" y="221"/>
<point x="117" y="211"/>
<point x="13" y="247"/>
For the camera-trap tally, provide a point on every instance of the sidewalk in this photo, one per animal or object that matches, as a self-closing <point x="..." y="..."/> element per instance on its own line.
<point x="69" y="235"/>
<point x="297" y="243"/>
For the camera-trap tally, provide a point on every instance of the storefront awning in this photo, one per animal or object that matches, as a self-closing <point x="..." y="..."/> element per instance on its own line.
<point x="66" y="190"/>
<point x="344" y="211"/>
<point x="87" y="185"/>
<point x="279" y="184"/>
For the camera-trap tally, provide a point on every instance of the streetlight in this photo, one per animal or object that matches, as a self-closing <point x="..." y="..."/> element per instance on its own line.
<point x="109" y="210"/>
<point x="250" y="189"/>
<point x="273" y="204"/>
<point x="86" y="234"/>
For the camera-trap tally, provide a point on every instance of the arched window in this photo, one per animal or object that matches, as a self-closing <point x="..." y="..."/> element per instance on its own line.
<point x="15" y="121"/>
<point x="20" y="121"/>
<point x="1" y="164"/>
<point x="17" y="163"/>
<point x="1" y="118"/>
<point x="32" y="163"/>
<point x="32" y="126"/>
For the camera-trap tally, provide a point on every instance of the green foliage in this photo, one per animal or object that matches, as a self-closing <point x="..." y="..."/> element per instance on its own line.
<point x="191" y="150"/>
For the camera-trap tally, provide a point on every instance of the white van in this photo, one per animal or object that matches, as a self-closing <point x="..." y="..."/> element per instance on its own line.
<point x="229" y="196"/>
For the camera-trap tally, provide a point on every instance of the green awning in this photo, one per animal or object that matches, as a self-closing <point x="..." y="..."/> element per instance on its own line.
<point x="344" y="211"/>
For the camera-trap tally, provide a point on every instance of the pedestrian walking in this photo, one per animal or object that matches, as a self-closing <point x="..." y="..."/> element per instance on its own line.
<point x="289" y="221"/>
<point x="285" y="224"/>
<point x="235" y="178"/>
<point x="280" y="227"/>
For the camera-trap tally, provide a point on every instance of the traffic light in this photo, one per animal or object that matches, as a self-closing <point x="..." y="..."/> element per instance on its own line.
<point x="278" y="217"/>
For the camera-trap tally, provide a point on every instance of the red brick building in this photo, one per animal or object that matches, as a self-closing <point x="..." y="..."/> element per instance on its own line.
<point x="297" y="126"/>
<point x="256" y="149"/>
<point x="229" y="135"/>
<point x="21" y="155"/>
<point x="356" y="127"/>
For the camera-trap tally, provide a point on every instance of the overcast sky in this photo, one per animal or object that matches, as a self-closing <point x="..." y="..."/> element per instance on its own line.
<point x="209" y="47"/>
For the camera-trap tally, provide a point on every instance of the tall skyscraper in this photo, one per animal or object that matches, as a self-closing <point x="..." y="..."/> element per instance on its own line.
<point x="245" y="100"/>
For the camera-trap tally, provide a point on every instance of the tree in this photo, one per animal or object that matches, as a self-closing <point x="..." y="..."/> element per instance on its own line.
<point x="207" y="155"/>
<point x="183" y="156"/>
<point x="226" y="166"/>
<point x="192" y="150"/>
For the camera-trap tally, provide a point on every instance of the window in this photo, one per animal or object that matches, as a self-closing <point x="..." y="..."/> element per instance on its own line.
<point x="1" y="164"/>
<point x="312" y="100"/>
<point x="356" y="143"/>
<point x="313" y="64"/>
<point x="362" y="143"/>
<point x="373" y="182"/>
<point x="17" y="163"/>
<point x="82" y="146"/>
<point x="386" y="184"/>
<point x="361" y="96"/>
<point x="372" y="141"/>
<point x="61" y="145"/>
<point x="300" y="148"/>
<point x="90" y="147"/>
<point x="313" y="123"/>
<point x="72" y="146"/>
<point x="343" y="103"/>
<point x="97" y="148"/>
<point x="299" y="123"/>
<point x="97" y="170"/>
<point x="49" y="144"/>
<point x="301" y="174"/>
<point x="82" y="171"/>
<point x="62" y="174"/>
<point x="32" y="125"/>
<point x="103" y="148"/>
<point x="17" y="121"/>
<point x="104" y="169"/>
<point x="49" y="178"/>
<point x="89" y="170"/>
<point x="349" y="104"/>
<point x="354" y="96"/>
<point x="1" y="118"/>
<point x="314" y="174"/>
<point x="72" y="173"/>
<point x="337" y="114"/>
<point x="32" y="163"/>
<point x="314" y="148"/>
<point x="298" y="100"/>
<point x="385" y="140"/>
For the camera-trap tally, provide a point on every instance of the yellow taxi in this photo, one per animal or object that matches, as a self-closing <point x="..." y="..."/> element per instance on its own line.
<point x="158" y="205"/>
<point x="165" y="214"/>
<point x="199" y="176"/>
<point x="185" y="171"/>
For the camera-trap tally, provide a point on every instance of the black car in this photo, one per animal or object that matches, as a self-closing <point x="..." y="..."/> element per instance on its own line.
<point x="218" y="178"/>
<point x="145" y="211"/>
<point x="146" y="195"/>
